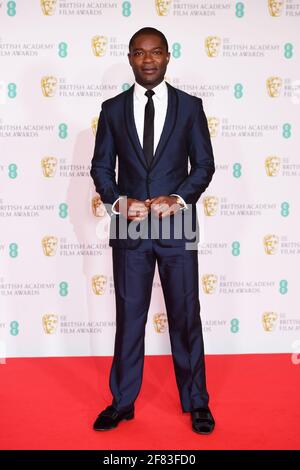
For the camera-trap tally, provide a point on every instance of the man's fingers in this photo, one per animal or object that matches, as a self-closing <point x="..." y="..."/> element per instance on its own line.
<point x="160" y="209"/>
<point x="160" y="206"/>
<point x="137" y="213"/>
<point x="138" y="206"/>
<point x="138" y="210"/>
<point x="136" y="219"/>
<point x="157" y="200"/>
<point x="150" y="201"/>
<point x="164" y="210"/>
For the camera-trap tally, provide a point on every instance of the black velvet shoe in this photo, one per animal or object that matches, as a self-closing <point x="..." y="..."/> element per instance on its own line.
<point x="202" y="421"/>
<point x="110" y="418"/>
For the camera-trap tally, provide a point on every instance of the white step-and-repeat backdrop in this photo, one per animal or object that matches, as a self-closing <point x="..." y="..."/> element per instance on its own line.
<point x="59" y="60"/>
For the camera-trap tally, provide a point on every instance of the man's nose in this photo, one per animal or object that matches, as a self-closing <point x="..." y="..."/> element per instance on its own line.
<point x="148" y="57"/>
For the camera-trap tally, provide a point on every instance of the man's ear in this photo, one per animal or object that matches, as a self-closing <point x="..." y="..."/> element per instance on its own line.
<point x="129" y="57"/>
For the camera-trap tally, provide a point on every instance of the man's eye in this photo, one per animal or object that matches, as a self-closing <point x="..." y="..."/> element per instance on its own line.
<point x="157" y="52"/>
<point x="138" y="53"/>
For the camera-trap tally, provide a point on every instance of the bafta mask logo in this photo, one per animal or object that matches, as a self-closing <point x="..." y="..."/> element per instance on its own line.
<point x="160" y="322"/>
<point x="99" y="44"/>
<point x="50" y="322"/>
<point x="49" y="84"/>
<point x="274" y="86"/>
<point x="213" y="124"/>
<point x="210" y="204"/>
<point x="212" y="46"/>
<point x="162" y="7"/>
<point x="49" y="165"/>
<point x="48" y="7"/>
<point x="269" y="320"/>
<point x="49" y="244"/>
<point x="98" y="284"/>
<point x="94" y="125"/>
<point x="275" y="7"/>
<point x="98" y="207"/>
<point x="271" y="243"/>
<point x="272" y="165"/>
<point x="209" y="283"/>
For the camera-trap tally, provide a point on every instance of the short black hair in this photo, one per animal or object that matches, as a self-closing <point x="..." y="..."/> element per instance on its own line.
<point x="149" y="30"/>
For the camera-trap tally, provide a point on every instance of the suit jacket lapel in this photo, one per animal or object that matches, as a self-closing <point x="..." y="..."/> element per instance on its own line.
<point x="169" y="125"/>
<point x="131" y="127"/>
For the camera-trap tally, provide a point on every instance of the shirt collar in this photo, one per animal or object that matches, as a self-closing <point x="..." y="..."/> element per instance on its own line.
<point x="160" y="90"/>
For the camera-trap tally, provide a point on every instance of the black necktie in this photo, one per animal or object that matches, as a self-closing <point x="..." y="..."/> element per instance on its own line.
<point x="148" y="139"/>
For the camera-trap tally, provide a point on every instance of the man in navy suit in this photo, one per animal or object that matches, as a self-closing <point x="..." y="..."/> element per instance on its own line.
<point x="155" y="130"/>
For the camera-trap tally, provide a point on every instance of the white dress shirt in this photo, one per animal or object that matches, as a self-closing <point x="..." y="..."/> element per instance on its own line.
<point x="160" y="101"/>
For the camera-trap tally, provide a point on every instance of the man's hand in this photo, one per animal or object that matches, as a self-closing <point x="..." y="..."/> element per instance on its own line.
<point x="163" y="206"/>
<point x="133" y="209"/>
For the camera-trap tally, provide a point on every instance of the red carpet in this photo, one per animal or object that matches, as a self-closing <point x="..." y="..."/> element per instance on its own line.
<point x="51" y="403"/>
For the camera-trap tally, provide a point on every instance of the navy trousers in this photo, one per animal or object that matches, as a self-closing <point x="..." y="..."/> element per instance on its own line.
<point x="133" y="278"/>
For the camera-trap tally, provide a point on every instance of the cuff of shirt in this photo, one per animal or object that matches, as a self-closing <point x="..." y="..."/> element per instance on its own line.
<point x="114" y="211"/>
<point x="181" y="202"/>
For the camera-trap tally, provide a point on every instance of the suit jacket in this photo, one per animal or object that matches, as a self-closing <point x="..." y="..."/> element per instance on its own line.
<point x="185" y="139"/>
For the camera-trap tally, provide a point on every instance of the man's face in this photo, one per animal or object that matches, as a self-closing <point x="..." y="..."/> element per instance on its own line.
<point x="148" y="58"/>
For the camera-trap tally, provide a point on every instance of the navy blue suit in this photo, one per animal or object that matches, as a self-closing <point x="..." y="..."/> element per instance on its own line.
<point x="185" y="137"/>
